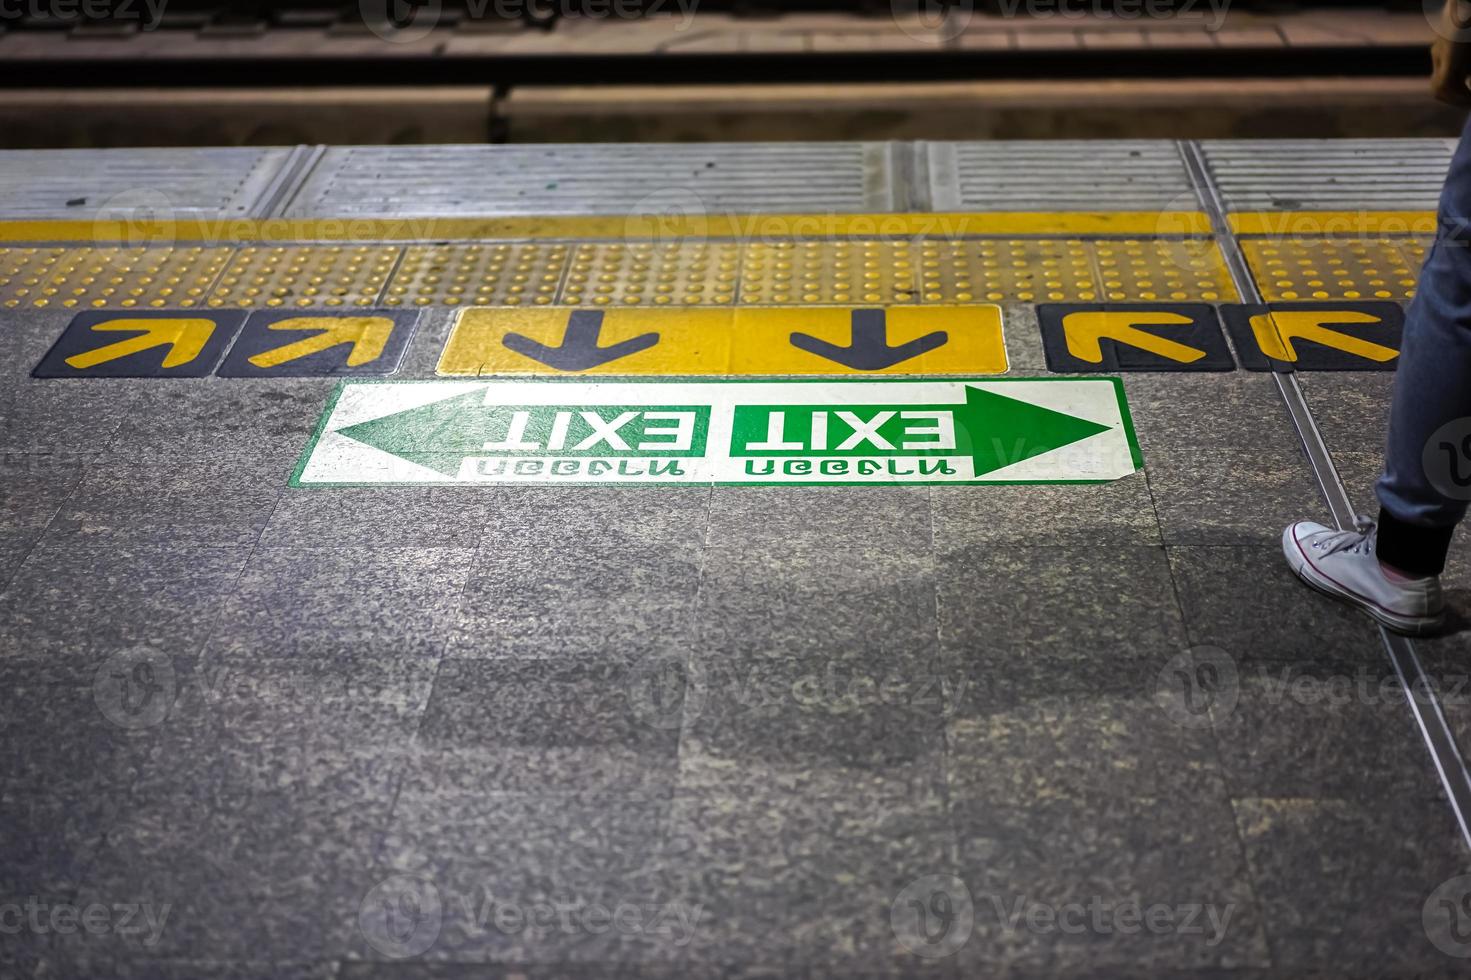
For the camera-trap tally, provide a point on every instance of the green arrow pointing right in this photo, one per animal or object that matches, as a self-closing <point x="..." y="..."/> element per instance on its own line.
<point x="996" y="431"/>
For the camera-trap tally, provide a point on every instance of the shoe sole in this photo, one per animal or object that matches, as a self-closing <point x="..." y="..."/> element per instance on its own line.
<point x="1406" y="625"/>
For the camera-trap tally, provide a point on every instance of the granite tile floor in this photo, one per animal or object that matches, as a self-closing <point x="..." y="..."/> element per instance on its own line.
<point x="751" y="732"/>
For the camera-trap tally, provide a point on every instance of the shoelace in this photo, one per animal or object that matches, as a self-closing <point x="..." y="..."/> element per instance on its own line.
<point x="1360" y="540"/>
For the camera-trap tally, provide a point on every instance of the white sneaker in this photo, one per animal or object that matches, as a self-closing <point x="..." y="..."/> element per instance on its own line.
<point x="1342" y="564"/>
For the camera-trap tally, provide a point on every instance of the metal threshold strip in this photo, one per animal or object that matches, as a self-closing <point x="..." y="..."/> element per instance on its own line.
<point x="1418" y="687"/>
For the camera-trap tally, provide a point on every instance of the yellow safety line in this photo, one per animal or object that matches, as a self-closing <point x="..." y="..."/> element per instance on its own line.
<point x="658" y="228"/>
<point x="1331" y="223"/>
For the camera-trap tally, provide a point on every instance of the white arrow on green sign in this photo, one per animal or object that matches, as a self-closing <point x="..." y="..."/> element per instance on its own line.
<point x="1025" y="430"/>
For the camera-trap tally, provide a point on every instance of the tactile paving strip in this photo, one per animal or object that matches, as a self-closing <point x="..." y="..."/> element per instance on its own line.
<point x="688" y="274"/>
<point x="1335" y="268"/>
<point x="490" y="274"/>
<point x="1019" y="270"/>
<point x="1135" y="270"/>
<point x="717" y="273"/>
<point x="300" y="276"/>
<point x="543" y="273"/>
<point x="108" y="276"/>
<point x="829" y="272"/>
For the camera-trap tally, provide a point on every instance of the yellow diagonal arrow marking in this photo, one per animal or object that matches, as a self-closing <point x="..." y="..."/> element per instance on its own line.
<point x="186" y="338"/>
<point x="1084" y="331"/>
<point x="1275" y="332"/>
<point x="367" y="334"/>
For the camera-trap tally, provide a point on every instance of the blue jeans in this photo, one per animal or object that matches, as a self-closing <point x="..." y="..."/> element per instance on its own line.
<point x="1432" y="387"/>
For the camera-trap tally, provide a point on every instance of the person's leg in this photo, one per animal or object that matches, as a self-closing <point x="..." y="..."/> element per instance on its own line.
<point x="1432" y="387"/>
<point x="1392" y="570"/>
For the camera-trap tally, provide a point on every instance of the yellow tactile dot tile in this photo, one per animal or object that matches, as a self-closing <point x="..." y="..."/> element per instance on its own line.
<point x="124" y="277"/>
<point x="841" y="272"/>
<point x="478" y="274"/>
<point x="1159" y="270"/>
<point x="302" y="276"/>
<point x="652" y="274"/>
<point x="1412" y="253"/>
<point x="1334" y="268"/>
<point x="1006" y="270"/>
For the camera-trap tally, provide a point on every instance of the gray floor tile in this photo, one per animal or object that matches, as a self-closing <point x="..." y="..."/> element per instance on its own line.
<point x="1321" y="729"/>
<point x="65" y="775"/>
<point x="143" y="967"/>
<point x="544" y="886"/>
<point x="519" y="971"/>
<point x="181" y="416"/>
<point x="1350" y="407"/>
<point x="1446" y="661"/>
<point x="1346" y="972"/>
<point x="1070" y="855"/>
<point x="290" y="596"/>
<point x="1024" y="353"/>
<point x="1346" y="883"/>
<point x="1082" y="746"/>
<point x="1455" y="582"/>
<point x="833" y="603"/>
<point x="427" y="343"/>
<point x="259" y="715"/>
<point x="804" y="882"/>
<point x="1359" y="471"/>
<point x="1244" y="600"/>
<point x="1231" y="497"/>
<point x="875" y="519"/>
<point x="1118" y="513"/>
<point x="378" y="517"/>
<point x="64" y="416"/>
<point x="814" y="723"/>
<point x="1303" y="698"/>
<point x="597" y="517"/>
<point x="210" y="500"/>
<point x="33" y="487"/>
<point x="26" y="336"/>
<point x="774" y="705"/>
<point x="1234" y="411"/>
<point x="1026" y="623"/>
<point x="612" y="604"/>
<point x="271" y="871"/>
<point x="523" y="971"/>
<point x="14" y="547"/>
<point x="546" y="726"/>
<point x="86" y="602"/>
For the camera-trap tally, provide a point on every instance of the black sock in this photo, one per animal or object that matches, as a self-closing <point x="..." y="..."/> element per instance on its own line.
<point x="1411" y="548"/>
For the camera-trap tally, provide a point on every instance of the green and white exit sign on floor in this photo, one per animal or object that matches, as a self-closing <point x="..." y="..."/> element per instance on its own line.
<point x="550" y="431"/>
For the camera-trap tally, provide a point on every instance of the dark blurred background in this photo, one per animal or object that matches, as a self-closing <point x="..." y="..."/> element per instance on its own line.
<point x="188" y="72"/>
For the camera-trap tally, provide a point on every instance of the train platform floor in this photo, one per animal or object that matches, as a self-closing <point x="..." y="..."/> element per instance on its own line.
<point x="820" y="560"/>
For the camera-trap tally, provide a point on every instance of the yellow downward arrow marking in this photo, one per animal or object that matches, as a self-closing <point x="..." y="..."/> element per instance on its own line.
<point x="367" y="334"/>
<point x="1275" y="332"/>
<point x="1084" y="331"/>
<point x="185" y="337"/>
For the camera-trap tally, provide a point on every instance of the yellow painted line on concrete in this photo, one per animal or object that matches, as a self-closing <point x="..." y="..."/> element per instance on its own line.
<point x="896" y="340"/>
<point x="774" y="227"/>
<point x="1330" y="223"/>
